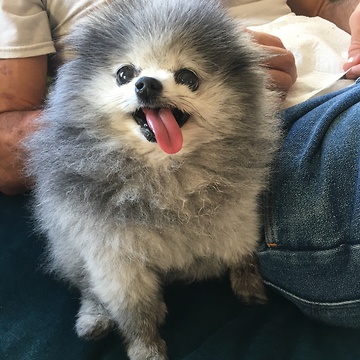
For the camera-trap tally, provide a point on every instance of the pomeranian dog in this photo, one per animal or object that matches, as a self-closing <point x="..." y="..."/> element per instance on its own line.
<point x="155" y="143"/>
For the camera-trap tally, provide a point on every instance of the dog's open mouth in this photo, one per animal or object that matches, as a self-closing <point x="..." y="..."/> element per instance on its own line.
<point x="162" y="125"/>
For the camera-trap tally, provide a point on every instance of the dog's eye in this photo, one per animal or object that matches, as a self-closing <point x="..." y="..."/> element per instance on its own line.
<point x="125" y="74"/>
<point x="188" y="78"/>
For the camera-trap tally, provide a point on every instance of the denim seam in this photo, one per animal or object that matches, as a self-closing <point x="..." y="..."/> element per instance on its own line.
<point x="316" y="303"/>
<point x="286" y="249"/>
<point x="270" y="234"/>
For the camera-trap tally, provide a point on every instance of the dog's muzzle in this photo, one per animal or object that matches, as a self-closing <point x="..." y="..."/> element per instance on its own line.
<point x="140" y="117"/>
<point x="162" y="125"/>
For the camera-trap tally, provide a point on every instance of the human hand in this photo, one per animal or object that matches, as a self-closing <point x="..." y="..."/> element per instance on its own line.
<point x="353" y="62"/>
<point x="280" y="63"/>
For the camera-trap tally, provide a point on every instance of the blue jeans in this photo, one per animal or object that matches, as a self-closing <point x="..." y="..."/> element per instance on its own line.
<point x="311" y="252"/>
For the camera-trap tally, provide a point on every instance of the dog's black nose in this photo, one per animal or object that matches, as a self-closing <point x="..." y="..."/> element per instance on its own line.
<point x="148" y="88"/>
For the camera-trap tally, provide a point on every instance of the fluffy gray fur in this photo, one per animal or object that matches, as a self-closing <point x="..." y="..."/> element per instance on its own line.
<point x="122" y="216"/>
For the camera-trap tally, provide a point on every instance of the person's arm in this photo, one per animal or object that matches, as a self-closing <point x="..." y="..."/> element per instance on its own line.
<point x="336" y="11"/>
<point x="22" y="90"/>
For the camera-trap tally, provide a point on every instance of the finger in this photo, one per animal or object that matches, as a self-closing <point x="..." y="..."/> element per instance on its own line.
<point x="281" y="60"/>
<point x="354" y="59"/>
<point x="266" y="39"/>
<point x="352" y="66"/>
<point x="354" y="72"/>
<point x="280" y="81"/>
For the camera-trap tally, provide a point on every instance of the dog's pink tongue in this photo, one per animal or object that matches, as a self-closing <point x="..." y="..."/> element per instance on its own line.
<point x="166" y="129"/>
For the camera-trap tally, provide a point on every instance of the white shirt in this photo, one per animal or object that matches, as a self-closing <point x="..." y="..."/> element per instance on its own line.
<point x="34" y="27"/>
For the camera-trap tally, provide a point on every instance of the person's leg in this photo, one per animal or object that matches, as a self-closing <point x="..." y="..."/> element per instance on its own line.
<point x="312" y="227"/>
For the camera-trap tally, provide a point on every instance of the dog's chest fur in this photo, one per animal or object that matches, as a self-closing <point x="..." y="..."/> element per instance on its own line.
<point x="185" y="218"/>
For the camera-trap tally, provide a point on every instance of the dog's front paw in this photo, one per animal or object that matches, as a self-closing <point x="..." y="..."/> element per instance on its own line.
<point x="247" y="283"/>
<point x="93" y="321"/>
<point x="92" y="327"/>
<point x="156" y="351"/>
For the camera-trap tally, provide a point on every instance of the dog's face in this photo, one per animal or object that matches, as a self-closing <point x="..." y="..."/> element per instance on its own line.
<point x="164" y="80"/>
<point x="158" y="102"/>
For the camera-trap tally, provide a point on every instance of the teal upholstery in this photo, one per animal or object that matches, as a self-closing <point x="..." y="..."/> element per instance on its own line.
<point x="205" y="320"/>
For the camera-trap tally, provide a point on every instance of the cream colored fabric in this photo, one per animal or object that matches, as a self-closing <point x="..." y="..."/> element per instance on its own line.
<point x="320" y="49"/>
